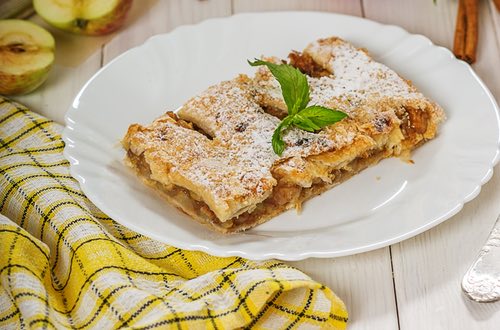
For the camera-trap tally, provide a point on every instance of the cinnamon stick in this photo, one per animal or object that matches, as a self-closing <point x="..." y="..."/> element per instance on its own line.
<point x="497" y="4"/>
<point x="466" y="31"/>
<point x="460" y="27"/>
<point x="471" y="36"/>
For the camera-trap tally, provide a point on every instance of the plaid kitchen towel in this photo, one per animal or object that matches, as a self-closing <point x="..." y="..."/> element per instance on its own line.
<point x="65" y="264"/>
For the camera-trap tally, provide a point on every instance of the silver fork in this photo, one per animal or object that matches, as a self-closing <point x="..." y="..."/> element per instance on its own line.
<point x="481" y="282"/>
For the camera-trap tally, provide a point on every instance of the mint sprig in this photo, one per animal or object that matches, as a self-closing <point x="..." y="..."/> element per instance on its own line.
<point x="295" y="90"/>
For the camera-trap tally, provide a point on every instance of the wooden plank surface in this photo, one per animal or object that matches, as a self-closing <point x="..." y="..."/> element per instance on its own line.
<point x="422" y="17"/>
<point x="350" y="7"/>
<point x="162" y="16"/>
<point x="428" y="269"/>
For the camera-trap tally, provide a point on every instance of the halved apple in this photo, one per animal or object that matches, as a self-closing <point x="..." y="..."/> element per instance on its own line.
<point x="91" y="17"/>
<point x="26" y="56"/>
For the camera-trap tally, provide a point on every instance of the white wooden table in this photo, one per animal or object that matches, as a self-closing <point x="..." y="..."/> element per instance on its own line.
<point x="410" y="285"/>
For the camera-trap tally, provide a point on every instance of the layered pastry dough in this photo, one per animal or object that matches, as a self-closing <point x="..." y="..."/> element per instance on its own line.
<point x="213" y="159"/>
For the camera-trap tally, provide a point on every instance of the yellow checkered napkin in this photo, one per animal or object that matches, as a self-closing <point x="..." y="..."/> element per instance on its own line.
<point x="65" y="264"/>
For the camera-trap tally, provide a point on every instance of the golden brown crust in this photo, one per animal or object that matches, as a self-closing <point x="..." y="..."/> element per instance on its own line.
<point x="214" y="159"/>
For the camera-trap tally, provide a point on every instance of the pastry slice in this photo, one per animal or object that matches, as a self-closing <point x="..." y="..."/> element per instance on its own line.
<point x="213" y="159"/>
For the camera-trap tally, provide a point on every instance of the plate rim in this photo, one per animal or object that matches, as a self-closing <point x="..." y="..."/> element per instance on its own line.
<point x="293" y="256"/>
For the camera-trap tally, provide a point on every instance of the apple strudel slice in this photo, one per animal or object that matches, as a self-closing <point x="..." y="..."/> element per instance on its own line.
<point x="213" y="159"/>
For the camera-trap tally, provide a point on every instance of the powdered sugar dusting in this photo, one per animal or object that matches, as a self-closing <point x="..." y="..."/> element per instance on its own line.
<point x="356" y="77"/>
<point x="234" y="168"/>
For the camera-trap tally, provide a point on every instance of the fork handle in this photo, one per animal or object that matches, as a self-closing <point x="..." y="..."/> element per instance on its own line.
<point x="481" y="283"/>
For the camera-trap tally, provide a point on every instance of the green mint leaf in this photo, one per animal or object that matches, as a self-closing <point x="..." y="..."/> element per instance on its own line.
<point x="295" y="90"/>
<point x="320" y="116"/>
<point x="277" y="141"/>
<point x="294" y="86"/>
<point x="305" y="123"/>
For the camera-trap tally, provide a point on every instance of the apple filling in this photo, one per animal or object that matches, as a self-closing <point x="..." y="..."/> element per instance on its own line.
<point x="283" y="197"/>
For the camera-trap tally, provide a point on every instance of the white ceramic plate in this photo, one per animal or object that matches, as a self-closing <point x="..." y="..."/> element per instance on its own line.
<point x="382" y="205"/>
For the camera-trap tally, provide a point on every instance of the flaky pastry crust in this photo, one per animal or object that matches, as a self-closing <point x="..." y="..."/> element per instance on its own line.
<point x="214" y="159"/>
